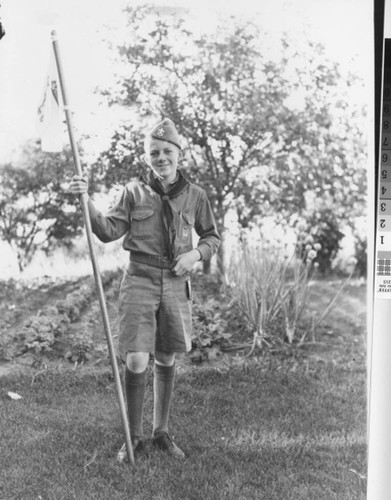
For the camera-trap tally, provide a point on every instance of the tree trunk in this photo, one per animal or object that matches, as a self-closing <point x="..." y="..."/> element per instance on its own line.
<point x="221" y="260"/>
<point x="21" y="262"/>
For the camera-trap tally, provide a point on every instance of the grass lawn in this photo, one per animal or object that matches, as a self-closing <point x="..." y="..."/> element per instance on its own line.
<point x="270" y="428"/>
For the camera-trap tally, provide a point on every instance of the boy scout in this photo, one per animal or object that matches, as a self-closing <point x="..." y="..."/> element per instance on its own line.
<point x="156" y="215"/>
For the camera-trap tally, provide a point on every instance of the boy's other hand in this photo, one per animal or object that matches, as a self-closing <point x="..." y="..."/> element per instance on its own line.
<point x="185" y="262"/>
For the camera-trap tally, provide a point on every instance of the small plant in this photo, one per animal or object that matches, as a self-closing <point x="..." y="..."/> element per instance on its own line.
<point x="39" y="333"/>
<point x="210" y="330"/>
<point x="296" y="292"/>
<point x="270" y="282"/>
<point x="255" y="280"/>
<point x="82" y="346"/>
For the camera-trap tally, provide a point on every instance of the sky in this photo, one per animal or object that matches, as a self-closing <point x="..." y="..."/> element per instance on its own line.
<point x="343" y="26"/>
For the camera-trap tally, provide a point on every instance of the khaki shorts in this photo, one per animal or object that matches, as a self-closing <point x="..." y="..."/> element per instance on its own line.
<point x="154" y="311"/>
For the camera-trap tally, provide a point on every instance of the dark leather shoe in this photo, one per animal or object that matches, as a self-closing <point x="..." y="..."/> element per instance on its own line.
<point x="165" y="443"/>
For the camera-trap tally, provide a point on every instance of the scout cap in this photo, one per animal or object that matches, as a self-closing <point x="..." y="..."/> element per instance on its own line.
<point x="164" y="131"/>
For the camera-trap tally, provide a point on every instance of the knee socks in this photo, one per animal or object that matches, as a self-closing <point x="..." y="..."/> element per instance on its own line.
<point x="163" y="386"/>
<point x="135" y="390"/>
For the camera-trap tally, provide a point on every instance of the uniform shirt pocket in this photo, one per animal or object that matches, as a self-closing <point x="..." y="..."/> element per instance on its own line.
<point x="142" y="222"/>
<point x="186" y="225"/>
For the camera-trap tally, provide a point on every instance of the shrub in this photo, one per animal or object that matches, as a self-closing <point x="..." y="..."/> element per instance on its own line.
<point x="323" y="226"/>
<point x="360" y="248"/>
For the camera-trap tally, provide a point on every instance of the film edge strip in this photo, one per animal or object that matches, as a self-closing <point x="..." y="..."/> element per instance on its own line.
<point x="383" y="232"/>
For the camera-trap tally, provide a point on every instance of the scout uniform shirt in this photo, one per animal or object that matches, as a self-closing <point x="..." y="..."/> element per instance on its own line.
<point x="138" y="216"/>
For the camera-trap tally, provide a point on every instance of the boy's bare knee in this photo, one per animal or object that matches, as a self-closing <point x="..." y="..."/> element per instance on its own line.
<point x="137" y="362"/>
<point x="164" y="358"/>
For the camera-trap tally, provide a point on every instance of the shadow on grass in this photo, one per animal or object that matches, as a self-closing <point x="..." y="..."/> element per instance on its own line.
<point x="259" y="432"/>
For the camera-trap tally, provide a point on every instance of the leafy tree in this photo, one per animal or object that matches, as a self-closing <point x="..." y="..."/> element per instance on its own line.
<point x="248" y="143"/>
<point x="35" y="211"/>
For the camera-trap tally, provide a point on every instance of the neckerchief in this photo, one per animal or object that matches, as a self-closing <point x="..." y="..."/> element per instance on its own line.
<point x="167" y="215"/>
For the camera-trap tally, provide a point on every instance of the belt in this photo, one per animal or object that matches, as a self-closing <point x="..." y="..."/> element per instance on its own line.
<point x="151" y="260"/>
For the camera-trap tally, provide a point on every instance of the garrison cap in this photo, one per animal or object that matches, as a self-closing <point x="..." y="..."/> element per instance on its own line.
<point x="165" y="131"/>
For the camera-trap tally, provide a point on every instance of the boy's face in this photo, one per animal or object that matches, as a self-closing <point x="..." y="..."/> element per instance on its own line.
<point x="163" y="158"/>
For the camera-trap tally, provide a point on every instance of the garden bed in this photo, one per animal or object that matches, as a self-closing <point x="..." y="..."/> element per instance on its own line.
<point x="287" y="422"/>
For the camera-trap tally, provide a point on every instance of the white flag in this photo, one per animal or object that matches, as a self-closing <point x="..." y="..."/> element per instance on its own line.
<point x="50" y="112"/>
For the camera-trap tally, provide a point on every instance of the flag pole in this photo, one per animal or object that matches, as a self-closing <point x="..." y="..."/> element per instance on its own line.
<point x="98" y="280"/>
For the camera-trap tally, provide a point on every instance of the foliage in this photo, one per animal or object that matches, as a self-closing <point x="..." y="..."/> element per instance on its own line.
<point x="271" y="284"/>
<point x="260" y="132"/>
<point x="76" y="301"/>
<point x="266" y="295"/>
<point x="36" y="212"/>
<point x="322" y="228"/>
<point x="210" y="329"/>
<point x="361" y="254"/>
<point x="81" y="347"/>
<point x="39" y="333"/>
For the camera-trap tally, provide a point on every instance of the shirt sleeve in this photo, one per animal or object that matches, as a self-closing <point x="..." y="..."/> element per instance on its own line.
<point x="206" y="228"/>
<point x="115" y="222"/>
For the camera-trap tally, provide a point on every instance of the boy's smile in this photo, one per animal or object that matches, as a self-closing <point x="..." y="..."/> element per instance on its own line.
<point x="163" y="157"/>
